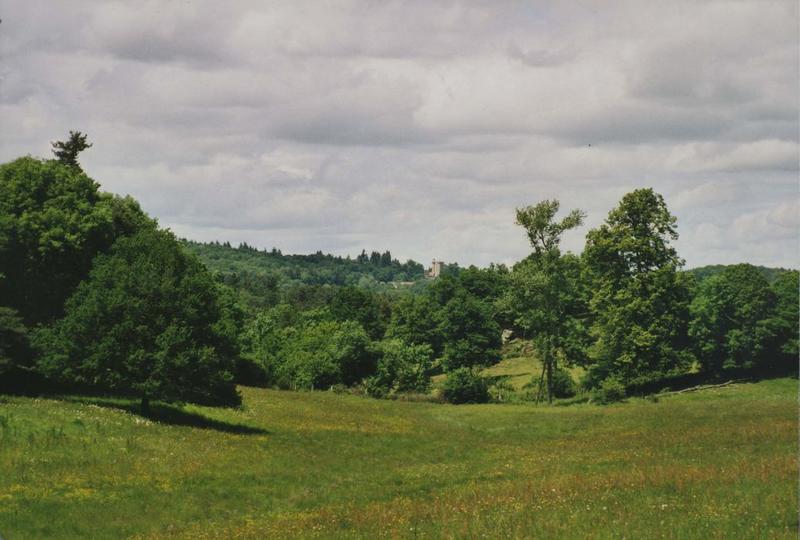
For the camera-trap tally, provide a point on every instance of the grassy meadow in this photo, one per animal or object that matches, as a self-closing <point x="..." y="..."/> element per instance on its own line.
<point x="714" y="464"/>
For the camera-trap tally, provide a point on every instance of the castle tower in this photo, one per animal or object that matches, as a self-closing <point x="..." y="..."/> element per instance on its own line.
<point x="436" y="268"/>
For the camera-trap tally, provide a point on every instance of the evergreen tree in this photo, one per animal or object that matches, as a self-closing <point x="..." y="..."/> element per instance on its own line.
<point x="66" y="152"/>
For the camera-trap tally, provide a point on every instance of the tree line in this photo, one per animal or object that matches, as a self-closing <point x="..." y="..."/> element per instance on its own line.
<point x="94" y="295"/>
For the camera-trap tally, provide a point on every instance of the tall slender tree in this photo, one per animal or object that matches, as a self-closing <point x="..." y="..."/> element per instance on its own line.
<point x="543" y="296"/>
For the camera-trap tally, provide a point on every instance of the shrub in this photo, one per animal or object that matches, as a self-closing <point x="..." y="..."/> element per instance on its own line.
<point x="375" y="387"/>
<point x="502" y="391"/>
<point x="563" y="385"/>
<point x="464" y="385"/>
<point x="402" y="367"/>
<point x="611" y="390"/>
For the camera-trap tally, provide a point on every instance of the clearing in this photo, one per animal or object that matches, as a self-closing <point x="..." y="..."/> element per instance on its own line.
<point x="714" y="464"/>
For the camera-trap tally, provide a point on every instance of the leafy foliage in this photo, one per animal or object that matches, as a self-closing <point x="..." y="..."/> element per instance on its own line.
<point x="417" y="320"/>
<point x="610" y="390"/>
<point x="787" y="315"/>
<point x="640" y="303"/>
<point x="732" y="324"/>
<point x="703" y="272"/>
<point x="66" y="152"/>
<point x="367" y="309"/>
<point x="465" y="385"/>
<point x="401" y="368"/>
<point x="53" y="221"/>
<point x="563" y="384"/>
<point x="471" y="335"/>
<point x="148" y="321"/>
<point x="265" y="276"/>
<point x="308" y="350"/>
<point x="545" y="299"/>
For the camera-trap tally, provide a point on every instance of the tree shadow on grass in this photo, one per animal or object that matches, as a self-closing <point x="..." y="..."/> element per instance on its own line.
<point x="688" y="380"/>
<point x="174" y="415"/>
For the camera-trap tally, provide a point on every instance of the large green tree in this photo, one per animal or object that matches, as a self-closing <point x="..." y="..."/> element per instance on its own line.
<point x="640" y="302"/>
<point x="364" y="307"/>
<point x="469" y="332"/>
<point x="787" y="316"/>
<point x="148" y="321"/>
<point x="416" y="319"/>
<point x="53" y="221"/>
<point x="734" y="323"/>
<point x="545" y="299"/>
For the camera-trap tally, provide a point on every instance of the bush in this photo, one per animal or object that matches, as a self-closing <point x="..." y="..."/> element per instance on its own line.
<point x="376" y="387"/>
<point x="611" y="390"/>
<point x="563" y="385"/>
<point x="327" y="353"/>
<point x="464" y="385"/>
<point x="308" y="351"/>
<point x="502" y="392"/>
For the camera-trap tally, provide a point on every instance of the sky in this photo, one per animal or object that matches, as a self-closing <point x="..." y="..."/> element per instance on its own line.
<point x="419" y="127"/>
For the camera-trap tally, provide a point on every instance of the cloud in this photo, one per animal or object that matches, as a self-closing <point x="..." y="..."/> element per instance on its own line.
<point x="419" y="126"/>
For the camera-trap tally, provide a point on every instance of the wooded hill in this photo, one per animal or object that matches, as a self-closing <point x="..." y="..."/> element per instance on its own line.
<point x="314" y="269"/>
<point x="701" y="273"/>
<point x="260" y="275"/>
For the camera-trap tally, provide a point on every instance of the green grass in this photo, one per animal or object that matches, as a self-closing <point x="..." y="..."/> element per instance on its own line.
<point x="713" y="464"/>
<point x="520" y="366"/>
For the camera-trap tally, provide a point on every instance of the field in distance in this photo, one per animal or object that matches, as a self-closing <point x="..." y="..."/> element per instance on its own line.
<point x="713" y="464"/>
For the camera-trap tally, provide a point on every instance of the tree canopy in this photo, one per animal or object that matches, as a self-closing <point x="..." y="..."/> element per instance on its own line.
<point x="146" y="322"/>
<point x="640" y="302"/>
<point x="544" y="297"/>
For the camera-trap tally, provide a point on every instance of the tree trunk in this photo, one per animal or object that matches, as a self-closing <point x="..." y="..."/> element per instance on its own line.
<point x="549" y="375"/>
<point x="540" y="387"/>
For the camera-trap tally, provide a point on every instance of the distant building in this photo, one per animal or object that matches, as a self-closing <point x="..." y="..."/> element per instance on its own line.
<point x="436" y="269"/>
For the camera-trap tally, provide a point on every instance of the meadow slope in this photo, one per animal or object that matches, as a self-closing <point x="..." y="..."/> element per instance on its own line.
<point x="714" y="464"/>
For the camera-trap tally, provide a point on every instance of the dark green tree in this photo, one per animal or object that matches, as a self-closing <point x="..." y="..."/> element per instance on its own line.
<point x="320" y="354"/>
<point x="469" y="332"/>
<point x="416" y="319"/>
<point x="148" y="322"/>
<point x="364" y="307"/>
<point x="787" y="317"/>
<point x="640" y="303"/>
<point x="66" y="152"/>
<point x="732" y="320"/>
<point x="14" y="347"/>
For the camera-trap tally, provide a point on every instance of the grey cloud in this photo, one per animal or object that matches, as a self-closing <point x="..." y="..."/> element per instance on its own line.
<point x="419" y="126"/>
<point x="540" y="57"/>
<point x="635" y="124"/>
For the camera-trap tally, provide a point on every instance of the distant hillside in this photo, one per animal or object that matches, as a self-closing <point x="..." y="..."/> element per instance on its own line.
<point x="262" y="274"/>
<point x="703" y="272"/>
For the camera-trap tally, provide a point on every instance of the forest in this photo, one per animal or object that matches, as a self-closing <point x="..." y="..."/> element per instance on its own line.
<point x="96" y="297"/>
